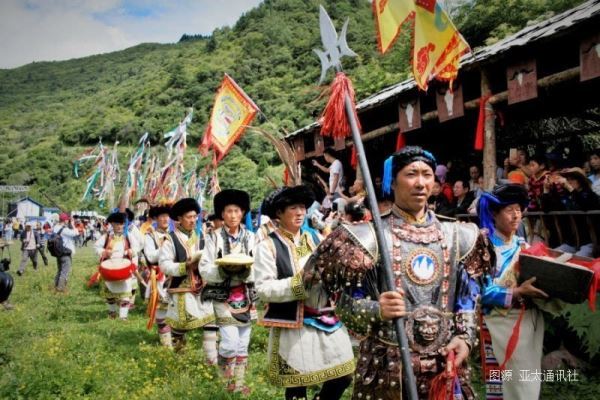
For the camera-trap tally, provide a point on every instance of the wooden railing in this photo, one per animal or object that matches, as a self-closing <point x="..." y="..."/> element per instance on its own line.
<point x="575" y="228"/>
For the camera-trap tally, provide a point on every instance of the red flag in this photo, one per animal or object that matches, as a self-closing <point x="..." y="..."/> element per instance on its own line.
<point x="353" y="157"/>
<point x="479" y="132"/>
<point x="286" y="177"/>
<point x="400" y="141"/>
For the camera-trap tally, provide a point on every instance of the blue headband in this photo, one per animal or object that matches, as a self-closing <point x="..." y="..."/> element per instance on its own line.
<point x="387" y="175"/>
<point x="407" y="158"/>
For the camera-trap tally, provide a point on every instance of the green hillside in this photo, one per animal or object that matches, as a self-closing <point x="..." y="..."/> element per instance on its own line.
<point x="50" y="110"/>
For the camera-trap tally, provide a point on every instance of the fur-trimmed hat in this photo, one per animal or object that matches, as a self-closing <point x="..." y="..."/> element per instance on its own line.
<point x="231" y="196"/>
<point x="116" y="217"/>
<point x="511" y="194"/>
<point x="155" y="211"/>
<point x="183" y="206"/>
<point x="287" y="196"/>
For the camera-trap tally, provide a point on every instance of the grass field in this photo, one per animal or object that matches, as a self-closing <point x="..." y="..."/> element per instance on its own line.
<point x="64" y="347"/>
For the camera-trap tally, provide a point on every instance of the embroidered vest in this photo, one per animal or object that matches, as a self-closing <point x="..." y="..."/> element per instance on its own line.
<point x="288" y="314"/>
<point x="180" y="256"/>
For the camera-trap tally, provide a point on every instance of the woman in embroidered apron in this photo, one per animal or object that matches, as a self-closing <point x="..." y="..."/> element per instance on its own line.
<point x="506" y="305"/>
<point x="229" y="281"/>
<point x="114" y="246"/>
<point x="307" y="344"/>
<point x="178" y="259"/>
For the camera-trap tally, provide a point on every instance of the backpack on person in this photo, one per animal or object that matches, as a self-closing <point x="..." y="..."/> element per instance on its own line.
<point x="56" y="246"/>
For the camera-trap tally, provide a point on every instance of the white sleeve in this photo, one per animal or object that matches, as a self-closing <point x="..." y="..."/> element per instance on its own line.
<point x="99" y="245"/>
<point x="136" y="240"/>
<point x="151" y="251"/>
<point x="69" y="232"/>
<point x="268" y="287"/>
<point x="207" y="268"/>
<point x="336" y="168"/>
<point x="166" y="257"/>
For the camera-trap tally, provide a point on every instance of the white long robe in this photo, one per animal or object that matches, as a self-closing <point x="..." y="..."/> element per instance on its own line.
<point x="186" y="311"/>
<point x="116" y="244"/>
<point x="304" y="356"/>
<point x="210" y="272"/>
<point x="152" y="243"/>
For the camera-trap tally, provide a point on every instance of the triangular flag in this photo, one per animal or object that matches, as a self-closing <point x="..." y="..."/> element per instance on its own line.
<point x="232" y="112"/>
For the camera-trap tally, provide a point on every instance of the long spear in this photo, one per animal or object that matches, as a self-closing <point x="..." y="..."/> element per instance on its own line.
<point x="335" y="49"/>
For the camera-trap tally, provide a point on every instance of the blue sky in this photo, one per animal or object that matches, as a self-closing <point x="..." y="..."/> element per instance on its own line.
<point x="48" y="30"/>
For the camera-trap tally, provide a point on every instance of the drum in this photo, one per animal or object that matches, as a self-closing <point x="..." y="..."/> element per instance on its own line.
<point x="235" y="263"/>
<point x="116" y="269"/>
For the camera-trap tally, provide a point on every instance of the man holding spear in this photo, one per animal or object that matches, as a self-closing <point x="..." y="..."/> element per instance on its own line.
<point x="407" y="264"/>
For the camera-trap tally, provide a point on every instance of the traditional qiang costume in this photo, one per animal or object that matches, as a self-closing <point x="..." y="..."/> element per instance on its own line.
<point x="226" y="269"/>
<point x="156" y="290"/>
<point x="118" y="292"/>
<point x="503" y="314"/>
<point x="138" y="238"/>
<point x="307" y="344"/>
<point x="186" y="311"/>
<point x="436" y="262"/>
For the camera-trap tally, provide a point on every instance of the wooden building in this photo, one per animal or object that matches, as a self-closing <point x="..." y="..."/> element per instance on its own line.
<point x="550" y="69"/>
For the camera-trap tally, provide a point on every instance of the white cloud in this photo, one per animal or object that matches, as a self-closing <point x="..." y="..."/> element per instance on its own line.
<point x="46" y="30"/>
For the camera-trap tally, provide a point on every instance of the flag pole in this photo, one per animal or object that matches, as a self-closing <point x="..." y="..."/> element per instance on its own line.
<point x="335" y="48"/>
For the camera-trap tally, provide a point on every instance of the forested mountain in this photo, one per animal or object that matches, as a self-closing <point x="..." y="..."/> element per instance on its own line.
<point x="50" y="110"/>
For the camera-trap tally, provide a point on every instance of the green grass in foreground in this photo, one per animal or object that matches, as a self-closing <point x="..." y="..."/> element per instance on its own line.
<point x="64" y="347"/>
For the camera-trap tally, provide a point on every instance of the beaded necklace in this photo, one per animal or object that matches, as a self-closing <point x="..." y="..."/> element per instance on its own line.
<point x="402" y="231"/>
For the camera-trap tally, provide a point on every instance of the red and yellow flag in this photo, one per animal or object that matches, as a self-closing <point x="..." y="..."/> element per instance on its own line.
<point x="437" y="44"/>
<point x="232" y="112"/>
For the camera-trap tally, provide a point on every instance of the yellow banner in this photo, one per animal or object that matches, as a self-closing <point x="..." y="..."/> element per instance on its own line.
<point x="437" y="44"/>
<point x="437" y="47"/>
<point x="231" y="114"/>
<point x="389" y="17"/>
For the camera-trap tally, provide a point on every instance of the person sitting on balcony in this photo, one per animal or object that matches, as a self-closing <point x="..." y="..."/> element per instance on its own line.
<point x="463" y="197"/>
<point x="539" y="172"/>
<point x="577" y="195"/>
<point x="437" y="202"/>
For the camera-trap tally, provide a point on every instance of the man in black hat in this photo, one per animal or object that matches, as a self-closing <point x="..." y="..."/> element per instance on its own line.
<point x="117" y="245"/>
<point x="178" y="260"/>
<point x="308" y="345"/>
<point x="230" y="288"/>
<point x="435" y="266"/>
<point x="154" y="239"/>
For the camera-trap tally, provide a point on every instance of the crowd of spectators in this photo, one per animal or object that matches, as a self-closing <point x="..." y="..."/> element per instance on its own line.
<point x="554" y="183"/>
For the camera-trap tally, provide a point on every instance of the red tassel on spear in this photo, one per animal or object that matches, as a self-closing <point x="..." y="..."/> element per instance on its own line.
<point x="335" y="121"/>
